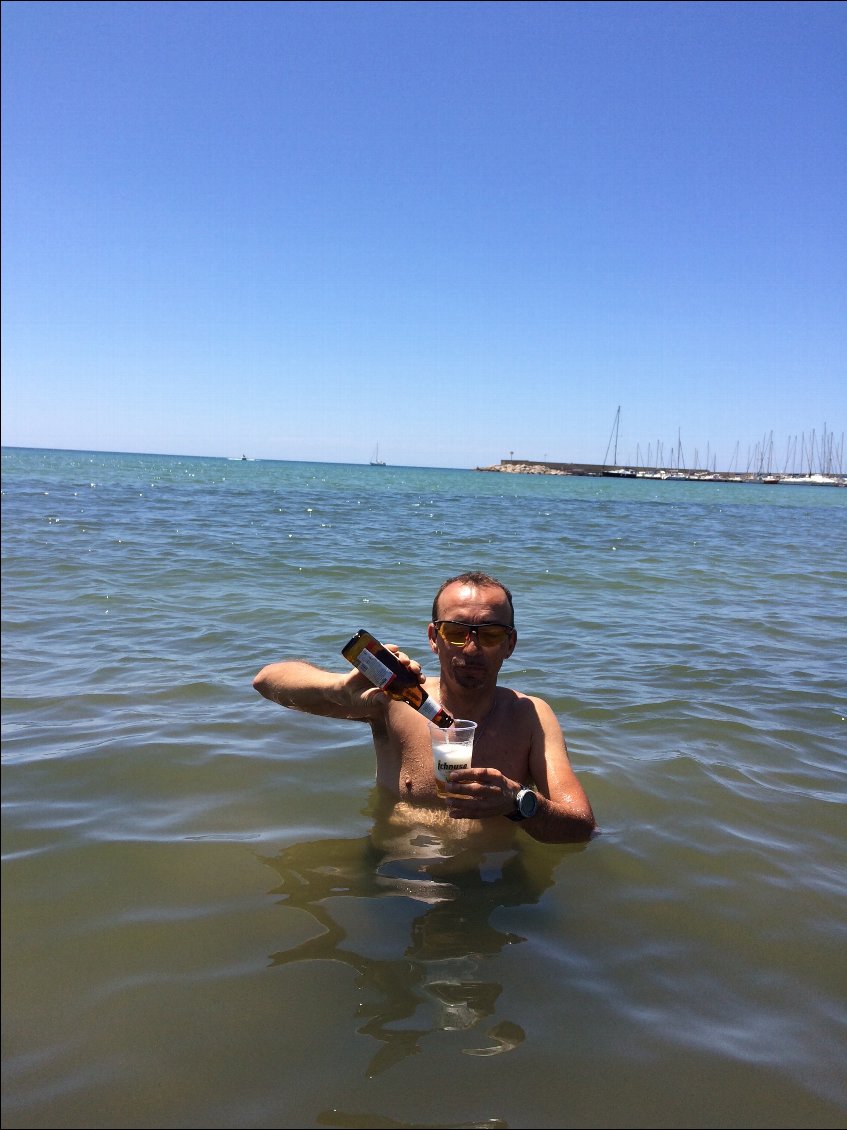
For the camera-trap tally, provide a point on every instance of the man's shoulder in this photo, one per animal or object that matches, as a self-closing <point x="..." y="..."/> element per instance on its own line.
<point x="516" y="697"/>
<point x="523" y="705"/>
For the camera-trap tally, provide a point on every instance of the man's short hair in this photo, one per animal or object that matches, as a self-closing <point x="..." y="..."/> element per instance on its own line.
<point x="478" y="580"/>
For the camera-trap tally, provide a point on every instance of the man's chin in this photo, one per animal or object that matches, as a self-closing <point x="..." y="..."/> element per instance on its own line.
<point x="470" y="677"/>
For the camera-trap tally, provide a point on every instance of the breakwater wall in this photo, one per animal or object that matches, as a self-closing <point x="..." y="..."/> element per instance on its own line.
<point x="702" y="475"/>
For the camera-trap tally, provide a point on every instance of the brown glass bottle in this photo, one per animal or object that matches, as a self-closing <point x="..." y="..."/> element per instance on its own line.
<point x="386" y="671"/>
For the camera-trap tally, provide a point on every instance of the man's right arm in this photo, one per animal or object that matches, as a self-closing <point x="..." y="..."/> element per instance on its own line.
<point x="300" y="686"/>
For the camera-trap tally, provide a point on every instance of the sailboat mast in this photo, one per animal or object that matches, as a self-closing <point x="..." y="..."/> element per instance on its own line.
<point x="615" y="427"/>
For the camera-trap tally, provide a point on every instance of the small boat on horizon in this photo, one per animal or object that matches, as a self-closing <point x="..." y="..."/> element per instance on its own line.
<point x="376" y="461"/>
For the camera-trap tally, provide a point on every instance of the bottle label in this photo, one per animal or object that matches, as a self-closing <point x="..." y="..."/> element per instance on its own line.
<point x="429" y="709"/>
<point x="377" y="672"/>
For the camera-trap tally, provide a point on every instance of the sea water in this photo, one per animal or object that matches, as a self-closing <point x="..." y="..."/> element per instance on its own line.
<point x="210" y="920"/>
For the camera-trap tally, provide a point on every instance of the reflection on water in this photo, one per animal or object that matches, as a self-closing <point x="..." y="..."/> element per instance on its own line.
<point x="436" y="978"/>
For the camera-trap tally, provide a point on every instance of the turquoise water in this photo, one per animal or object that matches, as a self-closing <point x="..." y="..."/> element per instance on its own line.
<point x="207" y="919"/>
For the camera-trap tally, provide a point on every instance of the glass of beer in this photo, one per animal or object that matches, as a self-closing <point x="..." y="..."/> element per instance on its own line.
<point x="452" y="748"/>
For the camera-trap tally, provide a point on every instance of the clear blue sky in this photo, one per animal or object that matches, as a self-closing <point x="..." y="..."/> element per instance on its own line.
<point x="458" y="230"/>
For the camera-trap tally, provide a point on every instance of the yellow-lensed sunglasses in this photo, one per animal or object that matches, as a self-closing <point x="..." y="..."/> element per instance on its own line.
<point x="487" y="635"/>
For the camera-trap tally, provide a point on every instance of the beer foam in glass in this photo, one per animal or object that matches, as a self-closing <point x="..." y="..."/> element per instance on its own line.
<point x="452" y="748"/>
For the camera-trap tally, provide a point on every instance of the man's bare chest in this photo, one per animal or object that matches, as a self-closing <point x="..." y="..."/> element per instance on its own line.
<point x="506" y="751"/>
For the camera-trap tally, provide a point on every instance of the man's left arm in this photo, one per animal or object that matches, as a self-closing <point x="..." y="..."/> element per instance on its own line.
<point x="563" y="813"/>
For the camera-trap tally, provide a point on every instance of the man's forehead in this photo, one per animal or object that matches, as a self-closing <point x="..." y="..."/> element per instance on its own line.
<point x="464" y="593"/>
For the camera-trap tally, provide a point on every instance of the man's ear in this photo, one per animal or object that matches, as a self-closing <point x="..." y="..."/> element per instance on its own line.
<point x="432" y="635"/>
<point x="512" y="643"/>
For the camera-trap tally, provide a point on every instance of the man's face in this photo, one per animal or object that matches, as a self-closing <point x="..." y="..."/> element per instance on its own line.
<point x="471" y="663"/>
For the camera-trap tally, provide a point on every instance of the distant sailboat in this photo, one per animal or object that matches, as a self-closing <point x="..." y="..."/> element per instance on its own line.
<point x="376" y="461"/>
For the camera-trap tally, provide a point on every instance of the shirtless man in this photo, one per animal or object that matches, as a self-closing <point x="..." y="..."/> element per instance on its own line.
<point x="521" y="769"/>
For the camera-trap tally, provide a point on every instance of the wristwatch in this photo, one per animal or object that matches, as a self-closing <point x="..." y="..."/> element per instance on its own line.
<point x="526" y="805"/>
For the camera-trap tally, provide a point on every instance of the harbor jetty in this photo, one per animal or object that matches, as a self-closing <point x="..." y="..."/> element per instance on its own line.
<point x="702" y="475"/>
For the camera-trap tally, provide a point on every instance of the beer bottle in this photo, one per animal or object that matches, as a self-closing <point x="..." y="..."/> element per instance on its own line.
<point x="386" y="671"/>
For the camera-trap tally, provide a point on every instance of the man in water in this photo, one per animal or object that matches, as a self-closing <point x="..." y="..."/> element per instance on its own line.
<point x="521" y="767"/>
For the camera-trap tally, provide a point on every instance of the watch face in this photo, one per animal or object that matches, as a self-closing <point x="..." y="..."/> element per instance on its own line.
<point x="527" y="802"/>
